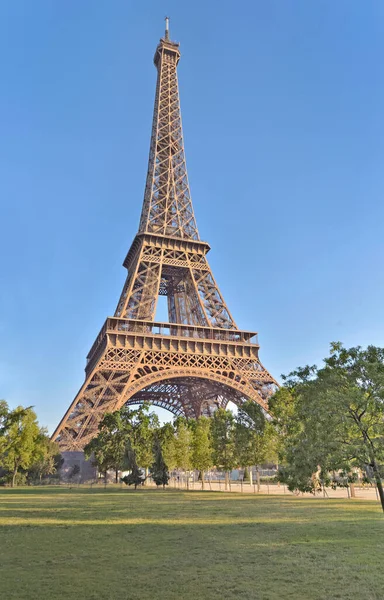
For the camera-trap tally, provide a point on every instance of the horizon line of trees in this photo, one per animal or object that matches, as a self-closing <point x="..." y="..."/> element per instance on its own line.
<point x="325" y="425"/>
<point x="130" y="439"/>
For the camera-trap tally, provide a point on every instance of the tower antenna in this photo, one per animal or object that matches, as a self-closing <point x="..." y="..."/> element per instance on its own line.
<point x="167" y="28"/>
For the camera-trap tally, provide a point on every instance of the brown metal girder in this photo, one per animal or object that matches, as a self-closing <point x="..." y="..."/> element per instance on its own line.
<point x="158" y="240"/>
<point x="180" y="372"/>
<point x="156" y="336"/>
<point x="137" y="386"/>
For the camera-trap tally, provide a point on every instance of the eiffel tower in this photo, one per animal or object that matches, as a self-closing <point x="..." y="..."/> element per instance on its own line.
<point x="197" y="361"/>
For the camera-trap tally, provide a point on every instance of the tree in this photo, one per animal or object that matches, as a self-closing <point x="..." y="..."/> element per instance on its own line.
<point x="252" y="437"/>
<point x="334" y="421"/>
<point x="223" y="441"/>
<point x="166" y="436"/>
<point x="300" y="451"/>
<point x="282" y="406"/>
<point x="4" y="424"/>
<point x="47" y="458"/>
<point x="142" y="427"/>
<point x="183" y="446"/>
<point x="135" y="476"/>
<point x="159" y="469"/>
<point x="126" y="428"/>
<point x="201" y="456"/>
<point x="109" y="446"/>
<point x="18" y="445"/>
<point x="4" y="411"/>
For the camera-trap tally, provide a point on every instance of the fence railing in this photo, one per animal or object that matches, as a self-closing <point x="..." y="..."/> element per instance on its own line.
<point x="179" y="330"/>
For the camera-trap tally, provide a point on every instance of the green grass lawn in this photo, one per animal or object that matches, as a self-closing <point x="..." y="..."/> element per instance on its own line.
<point x="121" y="544"/>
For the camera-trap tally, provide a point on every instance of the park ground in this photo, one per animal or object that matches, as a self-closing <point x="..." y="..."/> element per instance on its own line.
<point x="150" y="544"/>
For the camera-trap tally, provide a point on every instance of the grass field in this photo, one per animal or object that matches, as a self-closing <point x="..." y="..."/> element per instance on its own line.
<point x="151" y="544"/>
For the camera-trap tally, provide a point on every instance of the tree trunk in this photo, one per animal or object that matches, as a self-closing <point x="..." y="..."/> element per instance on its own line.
<point x="146" y="475"/>
<point x="187" y="480"/>
<point x="202" y="480"/>
<point x="325" y="494"/>
<point x="14" y="474"/>
<point x="258" y="480"/>
<point x="379" y="483"/>
<point x="250" y="476"/>
<point x="116" y="475"/>
<point x="352" y="488"/>
<point x="226" y="481"/>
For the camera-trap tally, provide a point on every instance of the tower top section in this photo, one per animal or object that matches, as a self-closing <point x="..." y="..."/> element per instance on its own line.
<point x="167" y="207"/>
<point x="166" y="47"/>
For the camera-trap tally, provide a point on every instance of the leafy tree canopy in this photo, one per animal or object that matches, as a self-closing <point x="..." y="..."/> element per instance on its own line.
<point x="223" y="439"/>
<point x="19" y="439"/>
<point x="332" y="419"/>
<point x="159" y="469"/>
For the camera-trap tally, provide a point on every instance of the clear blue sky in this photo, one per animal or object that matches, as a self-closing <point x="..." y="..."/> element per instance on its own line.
<point x="283" y="119"/>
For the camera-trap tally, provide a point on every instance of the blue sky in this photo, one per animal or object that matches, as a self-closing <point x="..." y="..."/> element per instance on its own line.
<point x="282" y="108"/>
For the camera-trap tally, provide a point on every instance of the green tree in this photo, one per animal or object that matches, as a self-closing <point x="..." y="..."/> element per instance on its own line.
<point x="142" y="427"/>
<point x="159" y="469"/>
<point x="223" y="441"/>
<point x="4" y="411"/>
<point x="251" y="439"/>
<point x="126" y="428"/>
<point x="47" y="458"/>
<point x="183" y="446"/>
<point x="299" y="456"/>
<point x="4" y="424"/>
<point x="167" y="439"/>
<point x="201" y="447"/>
<point x="135" y="477"/>
<point x="334" y="421"/>
<point x="18" y="444"/>
<point x="109" y="446"/>
<point x="282" y="406"/>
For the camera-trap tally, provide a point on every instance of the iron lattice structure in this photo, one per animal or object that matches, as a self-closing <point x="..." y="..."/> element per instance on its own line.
<point x="199" y="359"/>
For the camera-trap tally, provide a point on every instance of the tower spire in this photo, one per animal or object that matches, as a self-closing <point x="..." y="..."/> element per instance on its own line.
<point x="167" y="28"/>
<point x="167" y="207"/>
